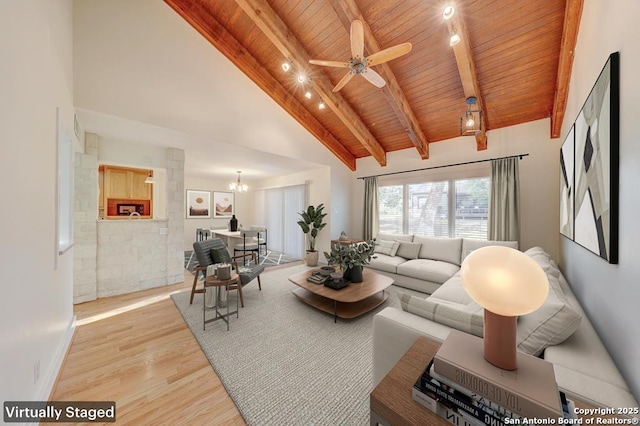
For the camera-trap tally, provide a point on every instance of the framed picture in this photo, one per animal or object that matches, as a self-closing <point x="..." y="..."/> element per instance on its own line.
<point x="223" y="205"/>
<point x="597" y="135"/>
<point x="198" y="204"/>
<point x="567" y="160"/>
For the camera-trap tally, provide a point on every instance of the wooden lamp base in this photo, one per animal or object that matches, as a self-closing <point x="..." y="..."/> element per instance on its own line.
<point x="500" y="340"/>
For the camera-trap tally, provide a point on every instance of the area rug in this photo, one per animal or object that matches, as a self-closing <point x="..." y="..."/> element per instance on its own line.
<point x="286" y="363"/>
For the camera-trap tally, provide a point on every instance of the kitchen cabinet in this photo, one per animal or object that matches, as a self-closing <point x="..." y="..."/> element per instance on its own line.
<point x="123" y="191"/>
<point x="126" y="184"/>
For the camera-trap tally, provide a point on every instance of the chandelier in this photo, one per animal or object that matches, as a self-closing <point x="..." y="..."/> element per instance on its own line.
<point x="237" y="186"/>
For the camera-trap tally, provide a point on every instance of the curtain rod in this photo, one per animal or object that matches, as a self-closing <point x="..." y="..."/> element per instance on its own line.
<point x="446" y="165"/>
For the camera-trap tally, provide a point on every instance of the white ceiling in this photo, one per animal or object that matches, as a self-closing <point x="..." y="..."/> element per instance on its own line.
<point x="143" y="75"/>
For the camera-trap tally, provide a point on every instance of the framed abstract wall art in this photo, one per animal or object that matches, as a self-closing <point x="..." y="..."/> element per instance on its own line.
<point x="567" y="157"/>
<point x="223" y="205"/>
<point x="595" y="210"/>
<point x="198" y="204"/>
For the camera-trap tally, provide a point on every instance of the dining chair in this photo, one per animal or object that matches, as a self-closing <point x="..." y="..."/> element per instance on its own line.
<point x="261" y="239"/>
<point x="249" y="243"/>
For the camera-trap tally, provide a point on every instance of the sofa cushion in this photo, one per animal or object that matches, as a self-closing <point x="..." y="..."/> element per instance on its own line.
<point x="467" y="318"/>
<point x="555" y="320"/>
<point x="394" y="237"/>
<point x="469" y="245"/>
<point x="382" y="262"/>
<point x="444" y="249"/>
<point x="389" y="248"/>
<point x="453" y="291"/>
<point x="408" y="250"/>
<point x="428" y="270"/>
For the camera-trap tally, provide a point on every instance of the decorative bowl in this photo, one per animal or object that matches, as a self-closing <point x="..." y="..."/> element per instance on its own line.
<point x="327" y="270"/>
<point x="336" y="276"/>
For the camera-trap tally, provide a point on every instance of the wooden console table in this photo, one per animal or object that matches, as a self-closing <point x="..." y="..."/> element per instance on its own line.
<point x="391" y="402"/>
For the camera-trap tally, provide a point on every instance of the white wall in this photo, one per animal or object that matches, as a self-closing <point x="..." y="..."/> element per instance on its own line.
<point x="36" y="306"/>
<point x="539" y="175"/>
<point x="610" y="293"/>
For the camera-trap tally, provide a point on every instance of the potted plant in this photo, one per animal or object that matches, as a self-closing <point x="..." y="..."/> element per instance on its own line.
<point x="351" y="258"/>
<point x="311" y="223"/>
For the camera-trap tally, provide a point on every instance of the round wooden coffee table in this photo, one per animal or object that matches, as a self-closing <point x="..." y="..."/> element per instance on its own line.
<point x="349" y="302"/>
<point x="233" y="283"/>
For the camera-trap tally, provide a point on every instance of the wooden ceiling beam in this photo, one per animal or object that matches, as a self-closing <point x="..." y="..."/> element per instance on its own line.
<point x="217" y="35"/>
<point x="572" y="15"/>
<point x="261" y="13"/>
<point x="348" y="11"/>
<point x="467" y="71"/>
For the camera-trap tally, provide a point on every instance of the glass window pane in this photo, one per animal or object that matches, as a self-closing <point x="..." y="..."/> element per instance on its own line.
<point x="472" y="208"/>
<point x="390" y="208"/>
<point x="428" y="209"/>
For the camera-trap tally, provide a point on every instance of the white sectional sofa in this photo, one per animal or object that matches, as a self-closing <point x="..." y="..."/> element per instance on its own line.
<point x="559" y="331"/>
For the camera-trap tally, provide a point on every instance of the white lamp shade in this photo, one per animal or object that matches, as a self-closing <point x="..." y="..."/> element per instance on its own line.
<point x="504" y="281"/>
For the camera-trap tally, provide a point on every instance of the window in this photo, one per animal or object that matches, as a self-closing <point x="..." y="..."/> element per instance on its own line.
<point x="277" y="209"/>
<point x="65" y="187"/>
<point x="448" y="208"/>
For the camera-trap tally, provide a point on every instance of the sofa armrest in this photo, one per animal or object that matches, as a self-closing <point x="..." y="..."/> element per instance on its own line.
<point x="394" y="331"/>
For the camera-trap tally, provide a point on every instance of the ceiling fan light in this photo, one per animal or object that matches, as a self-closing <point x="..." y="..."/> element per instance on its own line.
<point x="286" y="66"/>
<point x="301" y="78"/>
<point x="455" y="39"/>
<point x="307" y="94"/>
<point x="321" y="105"/>
<point x="448" y="12"/>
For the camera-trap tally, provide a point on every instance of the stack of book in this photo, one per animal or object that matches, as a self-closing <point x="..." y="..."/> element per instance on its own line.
<point x="468" y="391"/>
<point x="317" y="277"/>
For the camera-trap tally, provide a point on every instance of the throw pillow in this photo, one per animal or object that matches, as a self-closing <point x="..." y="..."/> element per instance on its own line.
<point x="444" y="249"/>
<point x="390" y="248"/>
<point x="408" y="250"/>
<point x="220" y="255"/>
<point x="468" y="318"/>
<point x="555" y="320"/>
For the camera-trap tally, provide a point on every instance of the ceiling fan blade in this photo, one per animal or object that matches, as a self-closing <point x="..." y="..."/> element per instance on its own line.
<point x="324" y="63"/>
<point x="374" y="78"/>
<point x="357" y="40"/>
<point x="343" y="81"/>
<point x="388" y="54"/>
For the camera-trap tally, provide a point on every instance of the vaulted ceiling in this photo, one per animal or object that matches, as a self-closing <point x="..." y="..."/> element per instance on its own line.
<point x="515" y="57"/>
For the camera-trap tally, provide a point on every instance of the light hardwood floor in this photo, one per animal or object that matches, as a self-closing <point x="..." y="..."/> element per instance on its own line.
<point x="136" y="349"/>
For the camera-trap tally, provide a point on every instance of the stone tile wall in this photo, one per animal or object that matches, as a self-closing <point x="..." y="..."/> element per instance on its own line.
<point x="84" y="221"/>
<point x="122" y="256"/>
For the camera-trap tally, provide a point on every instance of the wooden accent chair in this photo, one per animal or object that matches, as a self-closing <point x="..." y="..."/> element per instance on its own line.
<point x="213" y="250"/>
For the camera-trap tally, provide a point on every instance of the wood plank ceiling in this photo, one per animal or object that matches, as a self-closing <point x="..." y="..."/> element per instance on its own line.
<point x="515" y="57"/>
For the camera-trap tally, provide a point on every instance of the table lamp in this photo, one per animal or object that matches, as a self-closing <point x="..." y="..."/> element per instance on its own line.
<point x="506" y="283"/>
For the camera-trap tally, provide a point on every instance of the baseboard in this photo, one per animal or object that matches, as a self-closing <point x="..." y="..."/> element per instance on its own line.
<point x="52" y="376"/>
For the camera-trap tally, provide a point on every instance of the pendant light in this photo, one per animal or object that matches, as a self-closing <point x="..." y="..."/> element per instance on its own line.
<point x="150" y="178"/>
<point x="471" y="121"/>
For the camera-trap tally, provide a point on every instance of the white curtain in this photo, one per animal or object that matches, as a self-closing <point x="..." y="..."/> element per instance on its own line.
<point x="504" y="204"/>
<point x="277" y="209"/>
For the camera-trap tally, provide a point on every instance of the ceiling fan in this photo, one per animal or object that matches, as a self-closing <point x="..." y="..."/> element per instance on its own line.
<point x="359" y="64"/>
